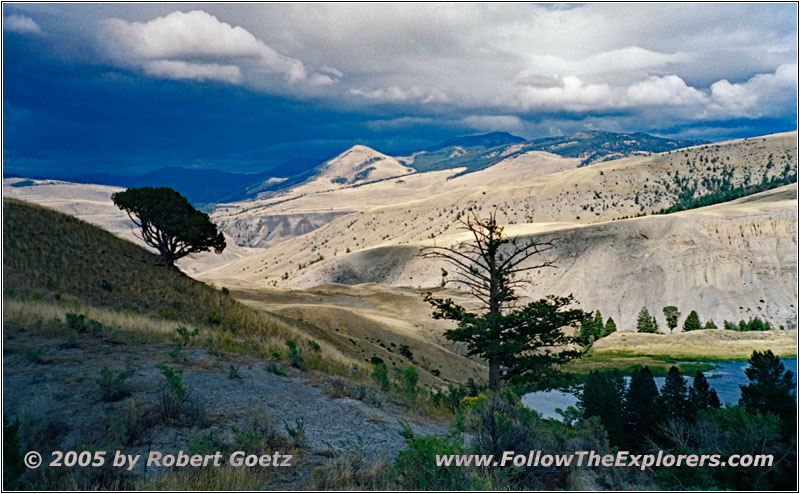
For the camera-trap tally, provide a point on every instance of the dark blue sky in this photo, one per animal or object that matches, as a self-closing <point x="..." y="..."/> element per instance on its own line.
<point x="127" y="88"/>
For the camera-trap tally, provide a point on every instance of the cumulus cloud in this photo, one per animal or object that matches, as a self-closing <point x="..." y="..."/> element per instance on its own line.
<point x="197" y="45"/>
<point x="761" y="95"/>
<point x="20" y="24"/>
<point x="638" y="65"/>
<point x="666" y="90"/>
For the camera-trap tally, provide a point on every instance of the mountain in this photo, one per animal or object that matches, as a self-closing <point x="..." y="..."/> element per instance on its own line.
<point x="493" y="139"/>
<point x="596" y="146"/>
<point x="201" y="187"/>
<point x="381" y="227"/>
<point x="479" y="152"/>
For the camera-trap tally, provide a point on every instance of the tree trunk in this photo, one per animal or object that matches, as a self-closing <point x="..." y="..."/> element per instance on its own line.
<point x="494" y="375"/>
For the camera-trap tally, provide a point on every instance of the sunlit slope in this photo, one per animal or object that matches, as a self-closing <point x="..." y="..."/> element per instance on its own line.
<point x="92" y="203"/>
<point x="729" y="261"/>
<point x="536" y="187"/>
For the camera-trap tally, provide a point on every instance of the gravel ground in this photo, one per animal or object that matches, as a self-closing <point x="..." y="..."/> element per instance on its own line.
<point x="55" y="387"/>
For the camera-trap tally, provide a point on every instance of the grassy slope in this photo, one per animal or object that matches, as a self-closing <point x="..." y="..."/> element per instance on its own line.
<point x="55" y="263"/>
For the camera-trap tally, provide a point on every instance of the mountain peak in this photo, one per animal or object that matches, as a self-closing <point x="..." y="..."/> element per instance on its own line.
<point x="489" y="140"/>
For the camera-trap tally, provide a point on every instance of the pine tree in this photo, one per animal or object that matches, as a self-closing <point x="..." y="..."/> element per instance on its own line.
<point x="710" y="324"/>
<point x="611" y="326"/>
<point x="598" y="325"/>
<point x="645" y="323"/>
<point x="701" y="395"/>
<point x="692" y="322"/>
<point x="591" y="329"/>
<point x="771" y="388"/>
<point x="674" y="396"/>
<point x="671" y="314"/>
<point x="643" y="410"/>
<point x="601" y="397"/>
<point x="524" y="345"/>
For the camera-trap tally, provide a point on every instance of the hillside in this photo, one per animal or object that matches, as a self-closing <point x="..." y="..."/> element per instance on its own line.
<point x="531" y="187"/>
<point x="103" y="348"/>
<point x="729" y="261"/>
<point x="92" y="203"/>
<point x="475" y="153"/>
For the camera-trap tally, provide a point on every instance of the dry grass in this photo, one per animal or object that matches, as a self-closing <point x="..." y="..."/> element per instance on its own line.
<point x="54" y="263"/>
<point x="50" y="317"/>
<point x="706" y="344"/>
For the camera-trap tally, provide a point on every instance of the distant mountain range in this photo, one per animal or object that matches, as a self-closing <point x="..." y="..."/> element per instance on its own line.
<point x="204" y="187"/>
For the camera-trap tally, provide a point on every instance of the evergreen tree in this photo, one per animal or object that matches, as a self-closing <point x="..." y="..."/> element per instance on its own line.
<point x="591" y="329"/>
<point x="645" y="323"/>
<point x="672" y="315"/>
<point x="692" y="322"/>
<point x="771" y="388"/>
<point x="601" y="398"/>
<point x="521" y="344"/>
<point x="674" y="396"/>
<point x="710" y="324"/>
<point x="598" y="324"/>
<point x="643" y="410"/>
<point x="168" y="223"/>
<point x="701" y="395"/>
<point x="611" y="326"/>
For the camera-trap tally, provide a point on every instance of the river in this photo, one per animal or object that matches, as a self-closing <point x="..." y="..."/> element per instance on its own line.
<point x="725" y="378"/>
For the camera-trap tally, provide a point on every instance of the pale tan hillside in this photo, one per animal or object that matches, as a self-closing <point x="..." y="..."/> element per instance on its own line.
<point x="92" y="203"/>
<point x="728" y="261"/>
<point x="373" y="320"/>
<point x="423" y="206"/>
<point x="300" y="210"/>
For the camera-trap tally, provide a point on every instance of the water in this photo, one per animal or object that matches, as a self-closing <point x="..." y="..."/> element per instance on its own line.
<point x="725" y="378"/>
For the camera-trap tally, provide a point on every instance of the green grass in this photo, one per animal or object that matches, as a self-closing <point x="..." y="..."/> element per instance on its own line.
<point x="626" y="364"/>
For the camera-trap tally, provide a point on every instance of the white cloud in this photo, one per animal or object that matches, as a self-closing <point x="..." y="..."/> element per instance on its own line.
<point x="176" y="69"/>
<point x="197" y="45"/>
<point x="761" y="95"/>
<point x="20" y="24"/>
<point x="668" y="90"/>
<point x="649" y="65"/>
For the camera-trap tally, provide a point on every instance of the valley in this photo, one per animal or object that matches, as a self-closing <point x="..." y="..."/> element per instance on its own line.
<point x="339" y="252"/>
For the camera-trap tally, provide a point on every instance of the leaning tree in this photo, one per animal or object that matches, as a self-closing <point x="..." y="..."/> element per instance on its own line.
<point x="522" y="344"/>
<point x="168" y="223"/>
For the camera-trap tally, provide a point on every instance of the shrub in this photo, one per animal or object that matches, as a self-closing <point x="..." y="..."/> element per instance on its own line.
<point x="351" y="470"/>
<point x="380" y="373"/>
<point x="295" y="357"/>
<point x="409" y="377"/>
<point x="112" y="384"/>
<point x="296" y="432"/>
<point x="415" y="467"/>
<point x="276" y="369"/>
<point x="174" y="393"/>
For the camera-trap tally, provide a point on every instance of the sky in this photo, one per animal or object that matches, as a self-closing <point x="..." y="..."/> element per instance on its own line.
<point x="129" y="88"/>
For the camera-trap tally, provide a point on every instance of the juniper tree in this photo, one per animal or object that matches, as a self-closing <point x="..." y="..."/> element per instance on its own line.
<point x="521" y="344"/>
<point x="168" y="223"/>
